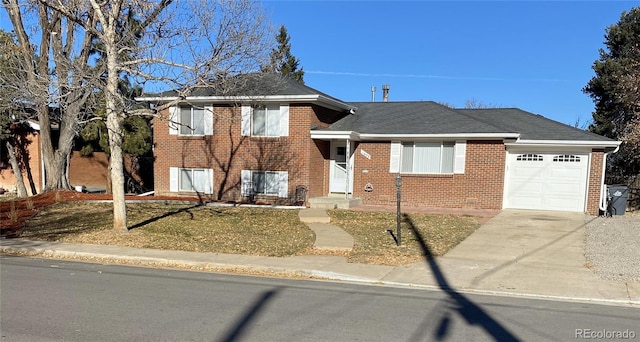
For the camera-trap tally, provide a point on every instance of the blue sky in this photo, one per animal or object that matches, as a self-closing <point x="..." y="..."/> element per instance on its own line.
<point x="534" y="55"/>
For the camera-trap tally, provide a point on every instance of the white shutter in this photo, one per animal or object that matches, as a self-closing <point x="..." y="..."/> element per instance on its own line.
<point x="173" y="120"/>
<point x="284" y="120"/>
<point x="208" y="181"/>
<point x="394" y="159"/>
<point x="283" y="190"/>
<point x="245" y="182"/>
<point x="173" y="179"/>
<point x="208" y="120"/>
<point x="460" y="155"/>
<point x="246" y="121"/>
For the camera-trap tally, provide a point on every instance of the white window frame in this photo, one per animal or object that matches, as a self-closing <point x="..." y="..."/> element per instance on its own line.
<point x="271" y="125"/>
<point x="279" y="183"/>
<point x="415" y="164"/>
<point x="276" y="122"/>
<point x="177" y="183"/>
<point x="178" y="127"/>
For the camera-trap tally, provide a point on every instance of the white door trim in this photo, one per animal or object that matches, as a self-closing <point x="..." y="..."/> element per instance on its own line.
<point x="337" y="184"/>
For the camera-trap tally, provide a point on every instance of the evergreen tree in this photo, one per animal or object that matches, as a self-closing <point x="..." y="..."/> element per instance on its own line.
<point x="614" y="90"/>
<point x="282" y="61"/>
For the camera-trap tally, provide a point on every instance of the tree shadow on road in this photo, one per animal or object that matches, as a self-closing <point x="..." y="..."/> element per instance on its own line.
<point x="242" y="326"/>
<point x="470" y="312"/>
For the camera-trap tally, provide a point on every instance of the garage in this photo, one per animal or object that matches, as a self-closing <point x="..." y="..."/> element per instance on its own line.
<point x="546" y="181"/>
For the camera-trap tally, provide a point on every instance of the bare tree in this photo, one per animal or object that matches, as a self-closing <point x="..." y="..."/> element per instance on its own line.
<point x="160" y="45"/>
<point x="628" y="126"/>
<point x="475" y="104"/>
<point x="9" y="64"/>
<point x="470" y="104"/>
<point x="54" y="77"/>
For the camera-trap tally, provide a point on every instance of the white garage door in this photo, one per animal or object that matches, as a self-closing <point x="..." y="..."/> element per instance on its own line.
<point x="546" y="181"/>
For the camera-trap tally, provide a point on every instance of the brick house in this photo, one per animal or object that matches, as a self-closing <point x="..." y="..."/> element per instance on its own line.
<point x="265" y="146"/>
<point x="90" y="172"/>
<point x="32" y="170"/>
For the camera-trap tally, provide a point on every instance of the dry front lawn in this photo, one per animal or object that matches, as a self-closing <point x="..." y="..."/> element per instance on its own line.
<point x="249" y="231"/>
<point x="374" y="234"/>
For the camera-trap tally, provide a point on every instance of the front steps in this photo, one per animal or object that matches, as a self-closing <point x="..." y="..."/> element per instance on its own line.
<point x="334" y="202"/>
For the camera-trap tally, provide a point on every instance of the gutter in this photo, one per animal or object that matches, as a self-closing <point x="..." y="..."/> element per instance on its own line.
<point x="567" y="143"/>
<point x="326" y="101"/>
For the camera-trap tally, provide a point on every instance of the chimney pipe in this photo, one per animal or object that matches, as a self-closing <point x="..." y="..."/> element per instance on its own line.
<point x="385" y="93"/>
<point x="373" y="94"/>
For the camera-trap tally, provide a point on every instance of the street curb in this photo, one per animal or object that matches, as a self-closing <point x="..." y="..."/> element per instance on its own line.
<point x="312" y="274"/>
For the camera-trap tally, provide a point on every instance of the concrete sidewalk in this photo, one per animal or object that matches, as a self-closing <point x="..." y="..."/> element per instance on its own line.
<point x="542" y="259"/>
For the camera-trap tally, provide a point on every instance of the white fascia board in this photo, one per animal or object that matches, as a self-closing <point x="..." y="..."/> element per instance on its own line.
<point x="34" y="125"/>
<point x="456" y="136"/>
<point x="324" y="100"/>
<point x="566" y="143"/>
<point x="335" y="135"/>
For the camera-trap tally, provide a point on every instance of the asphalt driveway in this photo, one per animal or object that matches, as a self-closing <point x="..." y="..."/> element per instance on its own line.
<point x="526" y="251"/>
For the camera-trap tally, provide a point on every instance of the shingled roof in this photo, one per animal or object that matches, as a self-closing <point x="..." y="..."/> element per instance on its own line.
<point x="427" y="117"/>
<point x="530" y="126"/>
<point x="255" y="84"/>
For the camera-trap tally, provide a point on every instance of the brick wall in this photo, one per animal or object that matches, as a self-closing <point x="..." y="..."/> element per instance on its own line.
<point x="227" y="152"/>
<point x="481" y="186"/>
<point x="91" y="171"/>
<point x="595" y="182"/>
<point x="34" y="172"/>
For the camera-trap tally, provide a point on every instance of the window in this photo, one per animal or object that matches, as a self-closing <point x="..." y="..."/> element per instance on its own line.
<point x="265" y="182"/>
<point x="270" y="183"/>
<point x="427" y="157"/>
<point x="529" y="157"/>
<point x="191" y="121"/>
<point x="191" y="180"/>
<point x="265" y="121"/>
<point x="270" y="120"/>
<point x="567" y="158"/>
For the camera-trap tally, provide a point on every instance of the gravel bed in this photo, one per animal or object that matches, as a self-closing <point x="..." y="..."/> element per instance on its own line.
<point x="612" y="246"/>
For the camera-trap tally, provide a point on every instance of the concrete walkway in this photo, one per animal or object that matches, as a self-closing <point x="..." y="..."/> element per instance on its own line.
<point x="537" y="254"/>
<point x="328" y="236"/>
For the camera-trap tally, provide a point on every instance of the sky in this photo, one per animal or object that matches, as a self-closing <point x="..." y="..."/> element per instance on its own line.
<point x="534" y="55"/>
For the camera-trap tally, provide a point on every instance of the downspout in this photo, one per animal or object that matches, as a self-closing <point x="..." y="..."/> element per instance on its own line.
<point x="603" y="188"/>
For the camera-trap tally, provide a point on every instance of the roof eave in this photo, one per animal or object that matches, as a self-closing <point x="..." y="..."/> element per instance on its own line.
<point x="322" y="100"/>
<point x="607" y="145"/>
<point x="454" y="136"/>
<point x="335" y="135"/>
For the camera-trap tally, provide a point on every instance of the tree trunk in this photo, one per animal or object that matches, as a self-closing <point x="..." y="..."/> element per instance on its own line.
<point x="115" y="117"/>
<point x="15" y="166"/>
<point x="116" y="170"/>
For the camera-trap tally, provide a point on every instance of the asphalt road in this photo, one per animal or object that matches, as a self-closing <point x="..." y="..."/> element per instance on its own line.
<point x="53" y="300"/>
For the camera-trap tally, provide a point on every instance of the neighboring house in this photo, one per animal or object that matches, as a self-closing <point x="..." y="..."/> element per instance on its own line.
<point x="234" y="148"/>
<point x="32" y="172"/>
<point x="89" y="172"/>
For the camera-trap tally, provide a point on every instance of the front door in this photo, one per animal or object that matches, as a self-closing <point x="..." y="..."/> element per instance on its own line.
<point x="338" y="165"/>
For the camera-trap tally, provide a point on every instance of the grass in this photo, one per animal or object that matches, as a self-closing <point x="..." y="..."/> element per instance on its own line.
<point x="265" y="232"/>
<point x="249" y="231"/>
<point x="374" y="233"/>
